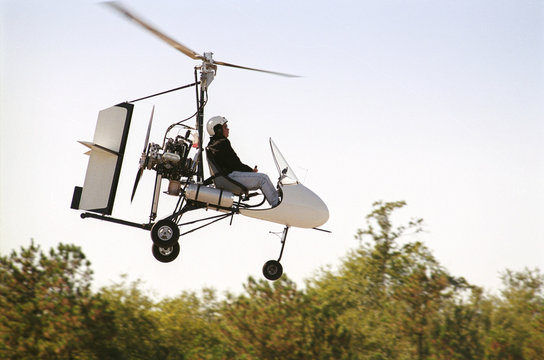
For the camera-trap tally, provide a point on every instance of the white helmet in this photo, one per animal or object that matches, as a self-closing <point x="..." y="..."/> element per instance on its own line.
<point x="216" y="120"/>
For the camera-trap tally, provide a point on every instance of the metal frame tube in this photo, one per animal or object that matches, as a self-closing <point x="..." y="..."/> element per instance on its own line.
<point x="156" y="195"/>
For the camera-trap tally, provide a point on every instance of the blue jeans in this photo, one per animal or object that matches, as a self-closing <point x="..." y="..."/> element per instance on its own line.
<point x="254" y="181"/>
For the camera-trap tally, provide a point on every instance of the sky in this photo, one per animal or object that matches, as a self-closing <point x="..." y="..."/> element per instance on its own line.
<point x="437" y="103"/>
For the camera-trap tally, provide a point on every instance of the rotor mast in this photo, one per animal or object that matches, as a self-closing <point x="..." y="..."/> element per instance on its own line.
<point x="207" y="73"/>
<point x="200" y="127"/>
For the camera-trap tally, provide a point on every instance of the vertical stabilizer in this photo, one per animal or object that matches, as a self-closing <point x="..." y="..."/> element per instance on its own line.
<point x="105" y="160"/>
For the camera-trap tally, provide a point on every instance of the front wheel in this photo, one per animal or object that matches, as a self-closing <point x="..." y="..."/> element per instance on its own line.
<point x="166" y="254"/>
<point x="272" y="270"/>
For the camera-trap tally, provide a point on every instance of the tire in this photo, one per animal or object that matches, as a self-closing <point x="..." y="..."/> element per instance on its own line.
<point x="272" y="270"/>
<point x="166" y="255"/>
<point x="165" y="233"/>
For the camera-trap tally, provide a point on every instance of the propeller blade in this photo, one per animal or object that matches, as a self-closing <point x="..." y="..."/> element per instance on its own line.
<point x="253" y="69"/>
<point x="138" y="175"/>
<point x="148" y="130"/>
<point x="143" y="160"/>
<point x="175" y="44"/>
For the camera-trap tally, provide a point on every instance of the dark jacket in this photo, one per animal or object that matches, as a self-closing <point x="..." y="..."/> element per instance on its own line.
<point x="224" y="155"/>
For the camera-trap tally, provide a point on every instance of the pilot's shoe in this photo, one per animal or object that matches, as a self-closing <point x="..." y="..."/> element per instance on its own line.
<point x="280" y="193"/>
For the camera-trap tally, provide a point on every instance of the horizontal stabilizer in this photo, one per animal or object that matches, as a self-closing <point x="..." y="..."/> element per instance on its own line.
<point x="97" y="147"/>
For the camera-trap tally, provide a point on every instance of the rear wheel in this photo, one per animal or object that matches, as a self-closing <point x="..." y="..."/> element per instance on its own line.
<point x="166" y="254"/>
<point x="165" y="233"/>
<point x="272" y="270"/>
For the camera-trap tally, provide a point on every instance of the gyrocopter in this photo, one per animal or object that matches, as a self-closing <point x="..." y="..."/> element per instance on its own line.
<point x="179" y="159"/>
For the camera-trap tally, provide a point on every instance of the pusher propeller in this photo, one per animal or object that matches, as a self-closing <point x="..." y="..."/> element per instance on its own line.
<point x="206" y="58"/>
<point x="144" y="160"/>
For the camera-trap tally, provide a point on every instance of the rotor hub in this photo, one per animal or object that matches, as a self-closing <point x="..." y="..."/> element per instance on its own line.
<point x="207" y="71"/>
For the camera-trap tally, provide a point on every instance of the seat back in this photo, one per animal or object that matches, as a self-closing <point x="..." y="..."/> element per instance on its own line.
<point x="222" y="180"/>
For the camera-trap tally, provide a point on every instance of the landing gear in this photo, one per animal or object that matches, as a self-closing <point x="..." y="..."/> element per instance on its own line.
<point x="165" y="233"/>
<point x="165" y="236"/>
<point x="166" y="254"/>
<point x="272" y="269"/>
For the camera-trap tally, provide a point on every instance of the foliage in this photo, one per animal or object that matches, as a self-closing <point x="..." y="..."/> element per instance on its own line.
<point x="47" y="310"/>
<point x="518" y="318"/>
<point x="389" y="299"/>
<point x="265" y="323"/>
<point x="135" y="326"/>
<point x="189" y="327"/>
<point x="387" y="294"/>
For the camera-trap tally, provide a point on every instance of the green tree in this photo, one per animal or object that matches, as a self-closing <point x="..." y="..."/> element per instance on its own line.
<point x="386" y="293"/>
<point x="517" y="328"/>
<point x="421" y="291"/>
<point x="189" y="327"/>
<point x="325" y="337"/>
<point x="460" y="330"/>
<point x="266" y="322"/>
<point x="135" y="323"/>
<point x="47" y="310"/>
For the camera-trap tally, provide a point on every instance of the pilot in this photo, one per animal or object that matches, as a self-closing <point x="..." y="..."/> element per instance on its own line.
<point x="225" y="156"/>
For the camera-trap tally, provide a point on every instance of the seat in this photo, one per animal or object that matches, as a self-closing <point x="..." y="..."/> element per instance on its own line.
<point x="222" y="180"/>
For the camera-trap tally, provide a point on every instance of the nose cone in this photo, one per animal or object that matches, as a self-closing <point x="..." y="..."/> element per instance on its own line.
<point x="305" y="208"/>
<point x="299" y="207"/>
<point x="317" y="208"/>
<point x="323" y="214"/>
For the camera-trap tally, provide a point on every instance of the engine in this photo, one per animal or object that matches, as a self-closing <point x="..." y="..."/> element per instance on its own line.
<point x="172" y="162"/>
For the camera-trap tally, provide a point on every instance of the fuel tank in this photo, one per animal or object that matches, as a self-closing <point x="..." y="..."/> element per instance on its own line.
<point x="209" y="195"/>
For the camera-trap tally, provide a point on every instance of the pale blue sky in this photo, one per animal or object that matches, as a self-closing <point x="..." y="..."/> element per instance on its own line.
<point x="438" y="103"/>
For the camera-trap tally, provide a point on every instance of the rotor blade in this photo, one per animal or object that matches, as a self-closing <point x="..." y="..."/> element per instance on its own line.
<point x="138" y="175"/>
<point x="175" y="44"/>
<point x="148" y="130"/>
<point x="253" y="69"/>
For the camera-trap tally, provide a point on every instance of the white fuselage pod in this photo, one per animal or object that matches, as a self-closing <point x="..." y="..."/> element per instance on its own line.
<point x="299" y="207"/>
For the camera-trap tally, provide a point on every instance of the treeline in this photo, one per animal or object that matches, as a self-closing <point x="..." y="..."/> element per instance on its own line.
<point x="389" y="299"/>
